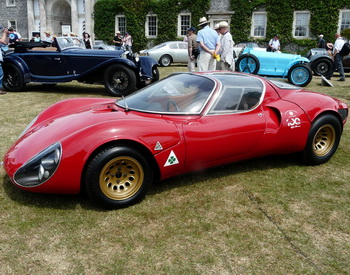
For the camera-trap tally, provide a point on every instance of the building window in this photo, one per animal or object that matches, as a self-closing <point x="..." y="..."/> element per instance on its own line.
<point x="259" y="24"/>
<point x="184" y="22"/>
<point x="151" y="26"/>
<point x="301" y="24"/>
<point x="10" y="3"/>
<point x="120" y="24"/>
<point x="12" y="24"/>
<point x="344" y="19"/>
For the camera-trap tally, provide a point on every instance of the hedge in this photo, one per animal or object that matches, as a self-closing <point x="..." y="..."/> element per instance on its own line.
<point x="324" y="17"/>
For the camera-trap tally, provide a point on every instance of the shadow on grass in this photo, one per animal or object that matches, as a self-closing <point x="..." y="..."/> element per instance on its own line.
<point x="82" y="200"/>
<point x="68" y="88"/>
<point x="39" y="200"/>
<point x="252" y="165"/>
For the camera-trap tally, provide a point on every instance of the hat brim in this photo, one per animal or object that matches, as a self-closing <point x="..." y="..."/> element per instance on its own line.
<point x="205" y="22"/>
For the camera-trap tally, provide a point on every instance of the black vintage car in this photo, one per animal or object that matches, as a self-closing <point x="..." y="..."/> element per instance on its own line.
<point x="67" y="60"/>
<point x="321" y="62"/>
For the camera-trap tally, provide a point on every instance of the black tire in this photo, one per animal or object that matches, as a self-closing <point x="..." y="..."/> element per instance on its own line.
<point x="248" y="63"/>
<point x="118" y="177"/>
<point x="323" y="140"/>
<point x="13" y="80"/>
<point x="155" y="74"/>
<point x="321" y="66"/>
<point x="300" y="75"/>
<point x="165" y="60"/>
<point x="119" y="80"/>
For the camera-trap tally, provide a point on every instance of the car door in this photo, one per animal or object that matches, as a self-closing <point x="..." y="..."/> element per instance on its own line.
<point x="46" y="63"/>
<point x="82" y="61"/>
<point x="231" y="130"/>
<point x="183" y="52"/>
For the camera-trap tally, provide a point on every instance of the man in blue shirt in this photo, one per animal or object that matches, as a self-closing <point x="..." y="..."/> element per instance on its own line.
<point x="13" y="37"/>
<point x="209" y="45"/>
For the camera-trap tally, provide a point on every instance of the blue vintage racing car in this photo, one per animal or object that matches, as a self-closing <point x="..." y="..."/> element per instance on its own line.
<point x="67" y="60"/>
<point x="291" y="66"/>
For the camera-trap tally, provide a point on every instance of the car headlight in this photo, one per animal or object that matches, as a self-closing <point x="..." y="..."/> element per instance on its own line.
<point x="137" y="57"/>
<point x="40" y="168"/>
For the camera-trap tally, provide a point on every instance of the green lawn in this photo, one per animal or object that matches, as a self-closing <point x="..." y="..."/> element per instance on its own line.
<point x="265" y="216"/>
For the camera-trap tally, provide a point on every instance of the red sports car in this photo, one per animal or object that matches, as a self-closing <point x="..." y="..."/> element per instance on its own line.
<point x="183" y="123"/>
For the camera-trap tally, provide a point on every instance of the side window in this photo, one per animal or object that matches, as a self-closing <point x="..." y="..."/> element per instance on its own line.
<point x="237" y="99"/>
<point x="173" y="46"/>
<point x="120" y="24"/>
<point x="183" y="23"/>
<point x="344" y="20"/>
<point x="183" y="46"/>
<point x="301" y="24"/>
<point x="258" y="24"/>
<point x="151" y="26"/>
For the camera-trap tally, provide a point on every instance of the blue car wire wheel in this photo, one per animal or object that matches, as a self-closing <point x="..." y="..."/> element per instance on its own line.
<point x="300" y="75"/>
<point x="248" y="64"/>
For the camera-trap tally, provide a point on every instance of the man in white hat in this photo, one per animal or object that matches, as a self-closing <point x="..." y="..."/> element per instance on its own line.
<point x="226" y="48"/>
<point x="48" y="37"/>
<point x="209" y="45"/>
<point x="321" y="42"/>
<point x="118" y="41"/>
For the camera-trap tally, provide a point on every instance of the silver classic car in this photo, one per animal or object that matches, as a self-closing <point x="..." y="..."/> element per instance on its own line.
<point x="168" y="52"/>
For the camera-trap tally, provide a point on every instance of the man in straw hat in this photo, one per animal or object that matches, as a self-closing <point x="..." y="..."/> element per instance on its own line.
<point x="209" y="46"/>
<point x="48" y="37"/>
<point x="226" y="48"/>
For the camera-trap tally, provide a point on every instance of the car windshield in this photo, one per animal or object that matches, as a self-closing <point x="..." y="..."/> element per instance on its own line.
<point x="159" y="46"/>
<point x="178" y="94"/>
<point x="69" y="42"/>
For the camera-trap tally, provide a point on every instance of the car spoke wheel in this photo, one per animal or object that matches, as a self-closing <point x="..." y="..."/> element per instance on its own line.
<point x="13" y="78"/>
<point x="118" y="177"/>
<point x="300" y="75"/>
<point x="321" y="67"/>
<point x="165" y="60"/>
<point x="323" y="140"/>
<point x="119" y="80"/>
<point x="248" y="64"/>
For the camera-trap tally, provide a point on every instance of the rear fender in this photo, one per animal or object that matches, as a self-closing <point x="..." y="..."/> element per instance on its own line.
<point x="318" y="57"/>
<point x="301" y="60"/>
<point x="15" y="60"/>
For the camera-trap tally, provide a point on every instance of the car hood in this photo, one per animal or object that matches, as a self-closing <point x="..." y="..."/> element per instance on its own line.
<point x="85" y="124"/>
<point x="94" y="52"/>
<point x="279" y="56"/>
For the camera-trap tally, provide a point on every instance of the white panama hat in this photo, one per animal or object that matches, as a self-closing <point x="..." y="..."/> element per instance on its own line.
<point x="203" y="21"/>
<point x="223" y="24"/>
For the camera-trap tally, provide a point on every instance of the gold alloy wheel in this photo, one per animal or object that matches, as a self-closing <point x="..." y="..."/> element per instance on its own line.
<point x="324" y="140"/>
<point x="121" y="178"/>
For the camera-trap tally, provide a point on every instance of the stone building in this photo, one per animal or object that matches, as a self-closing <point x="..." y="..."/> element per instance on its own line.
<point x="57" y="16"/>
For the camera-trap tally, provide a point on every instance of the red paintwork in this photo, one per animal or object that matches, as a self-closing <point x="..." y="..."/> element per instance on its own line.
<point x="83" y="125"/>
